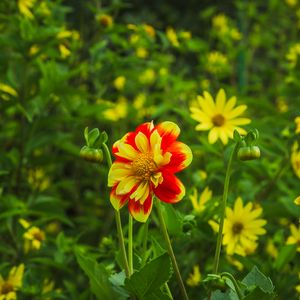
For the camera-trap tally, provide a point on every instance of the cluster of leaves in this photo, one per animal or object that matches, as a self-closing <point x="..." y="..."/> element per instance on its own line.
<point x="113" y="65"/>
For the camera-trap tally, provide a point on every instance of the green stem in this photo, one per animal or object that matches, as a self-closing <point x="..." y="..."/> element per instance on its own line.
<point x="170" y="249"/>
<point x="144" y="246"/>
<point x="118" y="219"/>
<point x="224" y="200"/>
<point x="168" y="291"/>
<point x="236" y="286"/>
<point x="130" y="251"/>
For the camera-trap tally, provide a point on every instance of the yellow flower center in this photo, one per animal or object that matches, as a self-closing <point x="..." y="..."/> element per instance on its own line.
<point x="144" y="166"/>
<point x="7" y="287"/>
<point x="237" y="228"/>
<point x="218" y="120"/>
<point x="38" y="235"/>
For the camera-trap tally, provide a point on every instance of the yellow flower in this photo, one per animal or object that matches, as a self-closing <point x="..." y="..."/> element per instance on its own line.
<point x="294" y="238"/>
<point x="106" y="21"/>
<point x="295" y="159"/>
<point x="119" y="82"/>
<point x="271" y="249"/>
<point x="147" y="77"/>
<point x="6" y="91"/>
<point x="64" y="51"/>
<point x="214" y="225"/>
<point x="235" y="262"/>
<point x="141" y="52"/>
<point x="172" y="36"/>
<point x="194" y="277"/>
<point x="235" y="34"/>
<point x="9" y="287"/>
<point x="217" y="63"/>
<point x="219" y="117"/>
<point x="282" y="105"/>
<point x="292" y="55"/>
<point x="34" y="49"/>
<point x="33" y="236"/>
<point x="134" y="38"/>
<point x="186" y="35"/>
<point x="220" y="22"/>
<point x="291" y="3"/>
<point x="149" y="30"/>
<point x="38" y="179"/>
<point x="118" y="111"/>
<point x="25" y="6"/>
<point x="297" y="121"/>
<point x="297" y="200"/>
<point x="242" y="227"/>
<point x="200" y="202"/>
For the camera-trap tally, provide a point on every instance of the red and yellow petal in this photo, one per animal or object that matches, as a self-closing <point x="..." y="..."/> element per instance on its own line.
<point x="117" y="201"/>
<point x="169" y="132"/>
<point x="181" y="157"/>
<point x="140" y="212"/>
<point x="171" y="190"/>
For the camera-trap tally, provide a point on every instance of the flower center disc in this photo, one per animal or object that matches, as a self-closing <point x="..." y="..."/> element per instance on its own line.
<point x="6" y="288"/>
<point x="237" y="227"/>
<point x="38" y="236"/>
<point x="218" y="120"/>
<point x="143" y="166"/>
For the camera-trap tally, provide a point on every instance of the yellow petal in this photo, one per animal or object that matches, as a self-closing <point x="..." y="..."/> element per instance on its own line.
<point x="125" y="186"/>
<point x="126" y="151"/>
<point x="220" y="100"/>
<point x="213" y="135"/>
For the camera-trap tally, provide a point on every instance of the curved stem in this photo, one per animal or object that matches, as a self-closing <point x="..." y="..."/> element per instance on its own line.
<point x="170" y="249"/>
<point x="118" y="219"/>
<point x="236" y="286"/>
<point x="144" y="246"/>
<point x="224" y="201"/>
<point x="130" y="250"/>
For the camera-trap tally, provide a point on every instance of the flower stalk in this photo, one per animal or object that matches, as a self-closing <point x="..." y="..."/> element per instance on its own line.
<point x="170" y="249"/>
<point x="118" y="219"/>
<point x="130" y="247"/>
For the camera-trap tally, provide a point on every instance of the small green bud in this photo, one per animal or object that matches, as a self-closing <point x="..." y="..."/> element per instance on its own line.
<point x="215" y="282"/>
<point x="248" y="153"/>
<point x="91" y="154"/>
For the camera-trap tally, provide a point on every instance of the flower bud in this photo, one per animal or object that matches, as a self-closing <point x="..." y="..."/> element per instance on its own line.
<point x="91" y="154"/>
<point x="249" y="153"/>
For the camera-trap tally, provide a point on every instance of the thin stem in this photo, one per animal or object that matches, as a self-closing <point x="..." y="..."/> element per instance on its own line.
<point x="168" y="291"/>
<point x="224" y="200"/>
<point x="236" y="286"/>
<point x="130" y="251"/>
<point x="144" y="246"/>
<point x="118" y="219"/>
<point x="170" y="250"/>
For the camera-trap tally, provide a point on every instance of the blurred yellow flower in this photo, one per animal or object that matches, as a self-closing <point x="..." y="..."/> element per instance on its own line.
<point x="235" y="262"/>
<point x="119" y="82"/>
<point x="291" y="3"/>
<point x="235" y="34"/>
<point x="294" y="238"/>
<point x="219" y="117"/>
<point x="6" y="91"/>
<point x="199" y="202"/>
<point x="223" y="28"/>
<point x="44" y="9"/>
<point x="64" y="51"/>
<point x="134" y="38"/>
<point x="282" y="105"/>
<point x="242" y="227"/>
<point x="38" y="179"/>
<point x="9" y="287"/>
<point x="34" y="49"/>
<point x="149" y="30"/>
<point x="194" y="277"/>
<point x="25" y="6"/>
<point x="172" y="36"/>
<point x="220" y="22"/>
<point x="292" y="55"/>
<point x="147" y="77"/>
<point x="163" y="72"/>
<point x="217" y="63"/>
<point x="141" y="52"/>
<point x="295" y="159"/>
<point x="271" y="249"/>
<point x="118" y="110"/>
<point x="106" y="21"/>
<point x="297" y="288"/>
<point x="297" y="200"/>
<point x="297" y="121"/>
<point x="186" y="35"/>
<point x="214" y="225"/>
<point x="33" y="236"/>
<point x="205" y="84"/>
<point x="132" y="27"/>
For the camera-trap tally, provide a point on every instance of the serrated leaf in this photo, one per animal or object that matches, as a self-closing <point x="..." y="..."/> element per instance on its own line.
<point x="257" y="278"/>
<point x="97" y="275"/>
<point x="257" y="293"/>
<point x="150" y="278"/>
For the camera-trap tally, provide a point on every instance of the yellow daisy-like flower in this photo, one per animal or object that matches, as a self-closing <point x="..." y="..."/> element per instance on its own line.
<point x="297" y="121"/>
<point x="200" y="202"/>
<point x="194" y="277"/>
<point x="297" y="200"/>
<point x="242" y="227"/>
<point x="118" y="110"/>
<point x="9" y="287"/>
<point x="220" y="117"/>
<point x="25" y="6"/>
<point x="217" y="63"/>
<point x="295" y="159"/>
<point x="294" y="238"/>
<point x="106" y="21"/>
<point x="172" y="36"/>
<point x="119" y="82"/>
<point x="33" y="236"/>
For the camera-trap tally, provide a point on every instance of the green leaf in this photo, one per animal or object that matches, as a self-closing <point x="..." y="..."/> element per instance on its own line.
<point x="286" y="254"/>
<point x="236" y="136"/>
<point x="86" y="135"/>
<point x="98" y="276"/>
<point x="257" y="293"/>
<point x="94" y="135"/>
<point x="157" y="295"/>
<point x="172" y="218"/>
<point x="150" y="278"/>
<point x="256" y="278"/>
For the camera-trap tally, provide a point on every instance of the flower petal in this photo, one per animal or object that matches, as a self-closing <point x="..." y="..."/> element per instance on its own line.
<point x="171" y="190"/>
<point x="141" y="193"/>
<point x="118" y="172"/>
<point x="126" y="151"/>
<point x="236" y="112"/>
<point x="117" y="201"/>
<point x="213" y="135"/>
<point x="169" y="132"/>
<point x="220" y="100"/>
<point x="140" y="212"/>
<point x="142" y="142"/>
<point x="125" y="186"/>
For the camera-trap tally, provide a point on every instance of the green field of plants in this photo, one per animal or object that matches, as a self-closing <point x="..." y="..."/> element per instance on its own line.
<point x="149" y="150"/>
